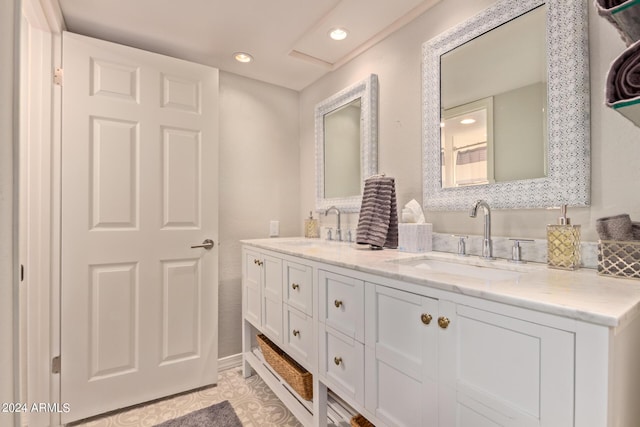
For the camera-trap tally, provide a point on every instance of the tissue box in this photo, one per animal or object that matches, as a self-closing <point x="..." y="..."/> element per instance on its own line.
<point x="415" y="237"/>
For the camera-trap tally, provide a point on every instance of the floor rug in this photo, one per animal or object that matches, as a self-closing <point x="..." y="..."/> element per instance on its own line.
<point x="218" y="415"/>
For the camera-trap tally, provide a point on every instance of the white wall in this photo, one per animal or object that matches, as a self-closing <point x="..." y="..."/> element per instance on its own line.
<point x="259" y="173"/>
<point x="7" y="204"/>
<point x="615" y="141"/>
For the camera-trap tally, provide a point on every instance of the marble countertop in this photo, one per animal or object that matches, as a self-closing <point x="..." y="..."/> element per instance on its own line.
<point x="581" y="294"/>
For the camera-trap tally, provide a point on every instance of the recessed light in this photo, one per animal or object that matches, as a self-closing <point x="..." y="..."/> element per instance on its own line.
<point x="467" y="121"/>
<point x="243" y="57"/>
<point x="338" y="33"/>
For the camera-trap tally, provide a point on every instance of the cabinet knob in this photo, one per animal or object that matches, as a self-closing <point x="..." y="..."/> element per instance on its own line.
<point x="295" y="333"/>
<point x="337" y="360"/>
<point x="295" y="286"/>
<point x="426" y="318"/>
<point x="443" y="322"/>
<point x="337" y="303"/>
<point x="258" y="262"/>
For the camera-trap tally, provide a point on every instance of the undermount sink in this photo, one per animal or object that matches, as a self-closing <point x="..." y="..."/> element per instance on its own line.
<point x="482" y="272"/>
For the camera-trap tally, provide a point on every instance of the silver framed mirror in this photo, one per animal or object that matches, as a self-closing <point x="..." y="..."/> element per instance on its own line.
<point x="346" y="133"/>
<point x="563" y="175"/>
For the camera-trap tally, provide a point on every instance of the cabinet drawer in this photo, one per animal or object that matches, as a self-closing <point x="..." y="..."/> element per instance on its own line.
<point x="298" y="283"/>
<point x="298" y="336"/>
<point x="342" y="363"/>
<point x="342" y="304"/>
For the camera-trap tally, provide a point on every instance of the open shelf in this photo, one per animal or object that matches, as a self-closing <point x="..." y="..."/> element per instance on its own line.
<point x="339" y="412"/>
<point x="300" y="408"/>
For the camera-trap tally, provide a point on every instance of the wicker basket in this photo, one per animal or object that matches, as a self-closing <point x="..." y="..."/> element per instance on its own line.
<point x="620" y="259"/>
<point x="295" y="375"/>
<point x="360" y="421"/>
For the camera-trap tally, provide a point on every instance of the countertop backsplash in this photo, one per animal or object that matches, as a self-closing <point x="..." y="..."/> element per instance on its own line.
<point x="535" y="251"/>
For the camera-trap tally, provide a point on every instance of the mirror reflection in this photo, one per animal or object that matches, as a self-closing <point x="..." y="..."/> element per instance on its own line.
<point x="494" y="103"/>
<point x="467" y="144"/>
<point x="342" y="151"/>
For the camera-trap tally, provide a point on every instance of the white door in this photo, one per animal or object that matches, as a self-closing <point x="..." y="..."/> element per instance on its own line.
<point x="139" y="188"/>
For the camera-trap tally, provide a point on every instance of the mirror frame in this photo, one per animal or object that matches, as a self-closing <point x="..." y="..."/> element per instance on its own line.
<point x="367" y="90"/>
<point x="568" y="115"/>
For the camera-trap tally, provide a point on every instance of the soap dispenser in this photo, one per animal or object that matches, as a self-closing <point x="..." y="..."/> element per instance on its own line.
<point x="311" y="226"/>
<point x="563" y="243"/>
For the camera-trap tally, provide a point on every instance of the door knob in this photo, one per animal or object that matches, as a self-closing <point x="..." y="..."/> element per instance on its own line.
<point x="207" y="244"/>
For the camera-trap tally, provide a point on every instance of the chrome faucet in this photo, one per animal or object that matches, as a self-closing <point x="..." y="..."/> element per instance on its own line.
<point x="487" y="245"/>
<point x="338" y="230"/>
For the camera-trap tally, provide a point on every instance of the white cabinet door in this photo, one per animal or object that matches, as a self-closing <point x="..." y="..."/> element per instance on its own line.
<point x="252" y="287"/>
<point x="500" y="370"/>
<point x="272" y="298"/>
<point x="139" y="188"/>
<point x="262" y="292"/>
<point x="401" y="357"/>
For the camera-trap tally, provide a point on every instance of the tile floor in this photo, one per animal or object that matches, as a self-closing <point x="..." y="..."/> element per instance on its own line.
<point x="254" y="403"/>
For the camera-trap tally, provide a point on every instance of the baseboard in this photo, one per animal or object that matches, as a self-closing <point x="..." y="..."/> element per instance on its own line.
<point x="230" y="362"/>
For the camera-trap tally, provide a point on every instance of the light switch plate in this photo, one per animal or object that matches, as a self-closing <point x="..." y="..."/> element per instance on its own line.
<point x="274" y="228"/>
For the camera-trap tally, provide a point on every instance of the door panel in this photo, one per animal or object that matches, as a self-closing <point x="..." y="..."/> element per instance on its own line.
<point x="113" y="318"/>
<point x="181" y="310"/>
<point x="139" y="188"/>
<point x="181" y="178"/>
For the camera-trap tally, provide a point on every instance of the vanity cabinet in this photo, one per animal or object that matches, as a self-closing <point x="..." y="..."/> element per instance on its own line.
<point x="404" y="353"/>
<point x="277" y="301"/>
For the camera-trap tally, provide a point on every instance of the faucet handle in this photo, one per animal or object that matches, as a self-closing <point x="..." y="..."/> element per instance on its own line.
<point x="462" y="248"/>
<point x="516" y="254"/>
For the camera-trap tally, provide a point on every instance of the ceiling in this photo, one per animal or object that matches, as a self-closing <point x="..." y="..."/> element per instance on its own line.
<point x="287" y="38"/>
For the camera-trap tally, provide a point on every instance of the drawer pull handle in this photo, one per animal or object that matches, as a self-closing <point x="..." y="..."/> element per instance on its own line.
<point x="337" y="303"/>
<point x="295" y="286"/>
<point x="443" y="322"/>
<point x="296" y="333"/>
<point x="426" y="318"/>
<point x="337" y="360"/>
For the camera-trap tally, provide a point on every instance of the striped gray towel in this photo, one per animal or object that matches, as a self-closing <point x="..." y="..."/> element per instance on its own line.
<point x="378" y="222"/>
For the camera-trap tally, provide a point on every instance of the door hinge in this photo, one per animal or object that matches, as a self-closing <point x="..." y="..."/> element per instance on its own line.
<point x="55" y="365"/>
<point x="57" y="76"/>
